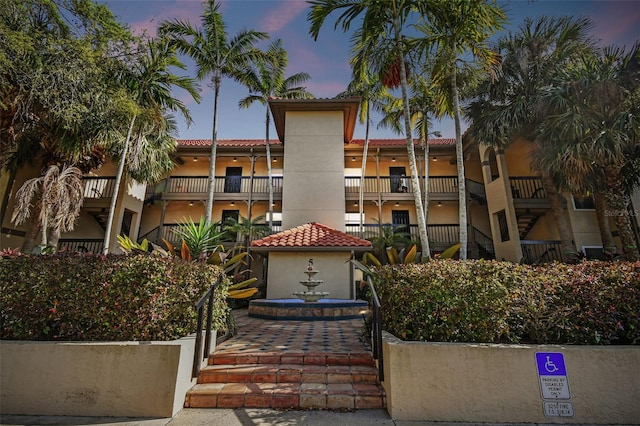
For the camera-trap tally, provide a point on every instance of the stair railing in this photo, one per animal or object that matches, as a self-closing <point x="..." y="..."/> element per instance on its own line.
<point x="208" y="299"/>
<point x="376" y="329"/>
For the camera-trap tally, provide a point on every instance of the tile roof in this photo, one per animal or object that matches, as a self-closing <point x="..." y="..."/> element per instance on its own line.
<point x="260" y="142"/>
<point x="403" y="142"/>
<point x="311" y="235"/>
<point x="226" y="142"/>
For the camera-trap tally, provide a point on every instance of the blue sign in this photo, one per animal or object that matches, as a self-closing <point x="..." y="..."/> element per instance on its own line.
<point x="550" y="364"/>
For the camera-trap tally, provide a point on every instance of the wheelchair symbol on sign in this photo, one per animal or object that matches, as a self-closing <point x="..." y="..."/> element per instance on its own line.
<point x="550" y="366"/>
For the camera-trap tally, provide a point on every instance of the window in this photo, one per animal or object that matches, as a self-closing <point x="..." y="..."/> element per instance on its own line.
<point x="503" y="225"/>
<point x="585" y="202"/>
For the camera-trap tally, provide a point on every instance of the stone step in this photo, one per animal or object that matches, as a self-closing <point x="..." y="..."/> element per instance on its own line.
<point x="298" y="358"/>
<point x="336" y="396"/>
<point x="288" y="373"/>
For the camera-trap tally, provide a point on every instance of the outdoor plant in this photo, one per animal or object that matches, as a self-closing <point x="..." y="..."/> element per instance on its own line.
<point x="69" y="296"/>
<point x="502" y="302"/>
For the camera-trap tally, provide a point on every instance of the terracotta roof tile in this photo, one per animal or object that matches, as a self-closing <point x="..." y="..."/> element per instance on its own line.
<point x="403" y="142"/>
<point x="226" y="142"/>
<point x="260" y="142"/>
<point x="311" y="235"/>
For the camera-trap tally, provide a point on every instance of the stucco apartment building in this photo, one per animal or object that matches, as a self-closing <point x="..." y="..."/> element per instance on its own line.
<point x="316" y="167"/>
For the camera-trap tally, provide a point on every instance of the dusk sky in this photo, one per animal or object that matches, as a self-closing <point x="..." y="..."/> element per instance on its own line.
<point x="326" y="60"/>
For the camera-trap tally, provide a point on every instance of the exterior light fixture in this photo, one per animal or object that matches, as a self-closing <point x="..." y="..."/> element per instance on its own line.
<point x="439" y="204"/>
<point x="235" y="159"/>
<point x="353" y="158"/>
<point x="397" y="204"/>
<point x="275" y="160"/>
<point x="233" y="203"/>
<point x="393" y="159"/>
<point x="191" y="203"/>
<point x="434" y="158"/>
<point x="195" y="158"/>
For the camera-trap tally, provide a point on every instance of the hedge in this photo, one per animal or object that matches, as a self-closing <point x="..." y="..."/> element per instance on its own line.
<point x="80" y="297"/>
<point x="502" y="302"/>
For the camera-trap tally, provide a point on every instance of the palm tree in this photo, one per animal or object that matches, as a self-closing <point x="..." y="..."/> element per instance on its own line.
<point x="216" y="56"/>
<point x="366" y="86"/>
<point x="382" y="24"/>
<point x="149" y="85"/>
<point x="266" y="79"/>
<point x="594" y="120"/>
<point x="422" y="106"/>
<point x="511" y="107"/>
<point x="58" y="195"/>
<point x="455" y="28"/>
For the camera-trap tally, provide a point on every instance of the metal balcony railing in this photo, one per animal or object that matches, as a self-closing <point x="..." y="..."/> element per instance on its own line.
<point x="81" y="245"/>
<point x="540" y="251"/>
<point x="527" y="187"/>
<point x="226" y="184"/>
<point x="442" y="184"/>
<point x="98" y="187"/>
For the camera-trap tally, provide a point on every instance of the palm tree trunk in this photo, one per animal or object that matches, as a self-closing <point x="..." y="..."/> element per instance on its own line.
<point x="557" y="209"/>
<point x="116" y="190"/>
<point x="31" y="236"/>
<point x="363" y="172"/>
<point x="608" y="244"/>
<point x="208" y="212"/>
<point x="619" y="203"/>
<point x="53" y="238"/>
<point x="415" y="180"/>
<point x="425" y="140"/>
<point x="462" y="190"/>
<point x="269" y="172"/>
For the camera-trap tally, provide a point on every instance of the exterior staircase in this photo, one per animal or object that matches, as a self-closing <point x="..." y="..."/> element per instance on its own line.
<point x="288" y="381"/>
<point x="290" y="365"/>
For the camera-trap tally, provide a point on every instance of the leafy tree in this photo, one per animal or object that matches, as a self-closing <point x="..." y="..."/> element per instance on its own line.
<point x="594" y="121"/>
<point x="510" y="107"/>
<point x="149" y="84"/>
<point x="216" y="56"/>
<point x="265" y="79"/>
<point x="57" y="91"/>
<point x="455" y="28"/>
<point x="380" y="23"/>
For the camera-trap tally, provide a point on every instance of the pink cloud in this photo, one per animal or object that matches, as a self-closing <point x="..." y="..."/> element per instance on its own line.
<point x="617" y="22"/>
<point x="280" y="16"/>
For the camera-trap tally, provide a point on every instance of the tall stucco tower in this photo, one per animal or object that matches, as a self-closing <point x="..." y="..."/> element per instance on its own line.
<point x="313" y="133"/>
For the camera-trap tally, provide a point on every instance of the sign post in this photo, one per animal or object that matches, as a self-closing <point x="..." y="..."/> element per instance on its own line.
<point x="554" y="384"/>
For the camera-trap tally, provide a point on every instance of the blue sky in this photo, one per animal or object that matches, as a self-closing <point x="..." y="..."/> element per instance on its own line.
<point x="326" y="60"/>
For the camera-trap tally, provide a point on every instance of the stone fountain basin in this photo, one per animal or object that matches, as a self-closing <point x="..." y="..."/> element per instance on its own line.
<point x="299" y="310"/>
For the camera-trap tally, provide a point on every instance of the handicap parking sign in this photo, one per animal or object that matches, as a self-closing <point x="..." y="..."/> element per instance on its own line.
<point x="552" y="372"/>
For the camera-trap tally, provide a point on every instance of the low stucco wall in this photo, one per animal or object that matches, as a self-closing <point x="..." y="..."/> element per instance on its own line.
<point x="500" y="383"/>
<point x="133" y="379"/>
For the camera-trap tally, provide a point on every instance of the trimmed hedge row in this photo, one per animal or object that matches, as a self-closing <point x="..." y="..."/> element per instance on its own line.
<point x="502" y="302"/>
<point x="70" y="296"/>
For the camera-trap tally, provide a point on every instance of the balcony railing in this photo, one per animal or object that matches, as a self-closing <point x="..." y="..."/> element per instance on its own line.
<point x="444" y="234"/>
<point x="540" y="251"/>
<point x="226" y="184"/>
<point x="98" y="187"/>
<point x="442" y="184"/>
<point x="81" y="245"/>
<point x="527" y="187"/>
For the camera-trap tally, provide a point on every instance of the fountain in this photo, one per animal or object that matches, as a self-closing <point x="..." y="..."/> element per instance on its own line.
<point x="311" y="295"/>
<point x="309" y="305"/>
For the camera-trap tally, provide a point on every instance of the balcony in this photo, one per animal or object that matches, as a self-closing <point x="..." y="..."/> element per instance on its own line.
<point x="441" y="236"/>
<point x="225" y="187"/>
<point x="440" y="187"/>
<point x="98" y="187"/>
<point x="540" y="251"/>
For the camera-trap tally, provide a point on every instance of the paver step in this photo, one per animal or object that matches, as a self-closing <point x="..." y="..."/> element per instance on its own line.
<point x="337" y="396"/>
<point x="300" y="358"/>
<point x="288" y="373"/>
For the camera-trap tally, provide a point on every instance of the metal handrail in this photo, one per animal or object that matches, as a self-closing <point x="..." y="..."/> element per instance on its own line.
<point x="376" y="329"/>
<point x="207" y="298"/>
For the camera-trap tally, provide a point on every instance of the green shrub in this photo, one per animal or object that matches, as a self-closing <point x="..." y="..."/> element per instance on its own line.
<point x="104" y="298"/>
<point x="488" y="301"/>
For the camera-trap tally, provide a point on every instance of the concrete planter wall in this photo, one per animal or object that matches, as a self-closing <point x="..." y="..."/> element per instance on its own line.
<point x="453" y="382"/>
<point x="134" y="379"/>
